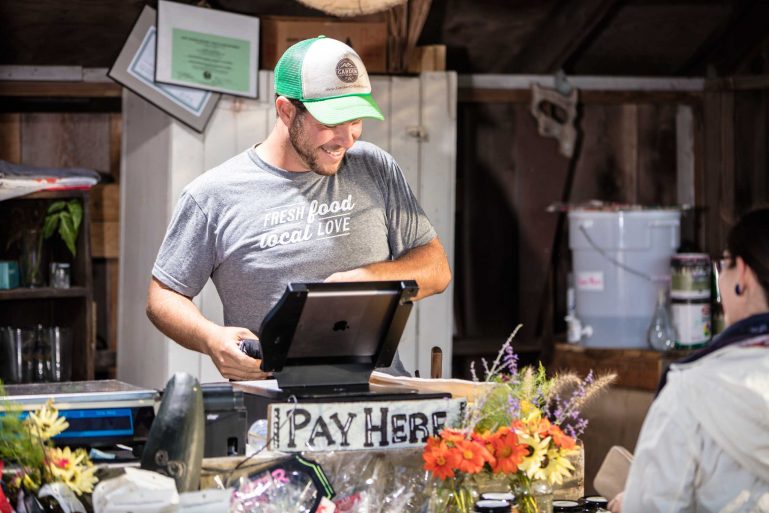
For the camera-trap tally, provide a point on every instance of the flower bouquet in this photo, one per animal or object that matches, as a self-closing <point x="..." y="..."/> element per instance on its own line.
<point x="41" y="471"/>
<point x="520" y="430"/>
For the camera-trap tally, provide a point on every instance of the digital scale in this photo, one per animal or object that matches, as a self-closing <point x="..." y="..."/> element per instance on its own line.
<point x="99" y="413"/>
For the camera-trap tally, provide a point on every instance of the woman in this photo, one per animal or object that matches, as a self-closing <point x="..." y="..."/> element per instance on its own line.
<point x="704" y="445"/>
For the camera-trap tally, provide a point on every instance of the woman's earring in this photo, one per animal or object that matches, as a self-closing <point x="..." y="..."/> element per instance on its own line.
<point x="738" y="290"/>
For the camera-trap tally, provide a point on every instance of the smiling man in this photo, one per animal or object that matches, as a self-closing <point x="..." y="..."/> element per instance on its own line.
<point x="310" y="203"/>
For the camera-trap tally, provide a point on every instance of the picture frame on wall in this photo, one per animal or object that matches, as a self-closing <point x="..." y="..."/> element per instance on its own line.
<point x="207" y="49"/>
<point x="135" y="69"/>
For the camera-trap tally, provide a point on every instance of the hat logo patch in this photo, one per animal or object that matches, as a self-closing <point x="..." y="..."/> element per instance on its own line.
<point x="346" y="70"/>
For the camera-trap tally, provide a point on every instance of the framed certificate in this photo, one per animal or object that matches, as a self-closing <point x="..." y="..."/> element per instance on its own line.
<point x="207" y="49"/>
<point x="135" y="69"/>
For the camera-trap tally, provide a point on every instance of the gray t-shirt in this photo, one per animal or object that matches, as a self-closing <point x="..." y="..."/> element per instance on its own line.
<point x="253" y="228"/>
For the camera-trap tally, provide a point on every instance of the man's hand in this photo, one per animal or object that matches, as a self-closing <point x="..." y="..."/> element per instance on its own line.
<point x="224" y="349"/>
<point x="179" y="319"/>
<point x="426" y="264"/>
<point x="360" y="274"/>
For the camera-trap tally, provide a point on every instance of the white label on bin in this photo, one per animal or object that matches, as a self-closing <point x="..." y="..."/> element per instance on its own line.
<point x="590" y="280"/>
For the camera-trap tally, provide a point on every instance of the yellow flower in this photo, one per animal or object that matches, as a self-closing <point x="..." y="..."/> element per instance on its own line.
<point x="72" y="468"/>
<point x="537" y="452"/>
<point x="558" y="466"/>
<point x="46" y="423"/>
<point x="29" y="483"/>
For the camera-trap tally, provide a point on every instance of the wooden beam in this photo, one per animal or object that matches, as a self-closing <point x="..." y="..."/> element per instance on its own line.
<point x="563" y="33"/>
<point x="717" y="188"/>
<point x="739" y="83"/>
<point x="711" y="42"/>
<point x="61" y="89"/>
<point x="473" y="95"/>
<point x="747" y="31"/>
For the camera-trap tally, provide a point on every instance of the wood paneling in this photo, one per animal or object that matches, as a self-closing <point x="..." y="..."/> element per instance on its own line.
<point x="105" y="239"/>
<point x="66" y="140"/>
<point x="105" y="202"/>
<point x="61" y="89"/>
<point x="565" y="31"/>
<point x="650" y="38"/>
<point x="10" y="137"/>
<point x="115" y="133"/>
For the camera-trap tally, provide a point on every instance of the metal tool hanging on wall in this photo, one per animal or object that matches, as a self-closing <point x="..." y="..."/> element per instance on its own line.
<point x="556" y="111"/>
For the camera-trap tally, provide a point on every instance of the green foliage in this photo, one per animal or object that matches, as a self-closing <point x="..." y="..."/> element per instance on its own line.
<point x="66" y="216"/>
<point x="16" y="443"/>
<point x="503" y="402"/>
<point x="496" y="411"/>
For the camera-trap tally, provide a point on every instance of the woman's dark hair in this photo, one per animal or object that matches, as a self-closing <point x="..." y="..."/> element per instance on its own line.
<point x="749" y="239"/>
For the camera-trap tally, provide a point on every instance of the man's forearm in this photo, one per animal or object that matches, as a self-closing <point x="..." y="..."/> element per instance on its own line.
<point x="426" y="264"/>
<point x="178" y="318"/>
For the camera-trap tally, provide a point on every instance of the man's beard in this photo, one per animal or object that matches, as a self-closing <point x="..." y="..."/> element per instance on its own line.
<point x="308" y="154"/>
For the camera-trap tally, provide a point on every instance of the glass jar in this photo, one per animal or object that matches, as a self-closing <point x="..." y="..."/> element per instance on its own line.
<point x="492" y="506"/>
<point x="566" y="507"/>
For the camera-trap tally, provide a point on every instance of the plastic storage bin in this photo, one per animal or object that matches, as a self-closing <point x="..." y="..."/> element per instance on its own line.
<point x="619" y="260"/>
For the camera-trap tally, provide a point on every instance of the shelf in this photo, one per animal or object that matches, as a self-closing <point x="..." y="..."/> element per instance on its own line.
<point x="42" y="293"/>
<point x="54" y="194"/>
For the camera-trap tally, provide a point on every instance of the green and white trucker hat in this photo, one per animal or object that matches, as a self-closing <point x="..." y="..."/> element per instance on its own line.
<point x="329" y="78"/>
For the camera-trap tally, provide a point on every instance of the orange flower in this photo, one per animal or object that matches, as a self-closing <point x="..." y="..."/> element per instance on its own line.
<point x="440" y="459"/>
<point x="561" y="439"/>
<point x="507" y="452"/>
<point x="543" y="428"/>
<point x="472" y="456"/>
<point x="453" y="436"/>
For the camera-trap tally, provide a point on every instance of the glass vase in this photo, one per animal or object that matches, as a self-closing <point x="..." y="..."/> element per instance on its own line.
<point x="454" y="495"/>
<point x="531" y="496"/>
<point x="31" y="258"/>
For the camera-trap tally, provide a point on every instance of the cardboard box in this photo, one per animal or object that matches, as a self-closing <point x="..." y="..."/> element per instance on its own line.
<point x="368" y="38"/>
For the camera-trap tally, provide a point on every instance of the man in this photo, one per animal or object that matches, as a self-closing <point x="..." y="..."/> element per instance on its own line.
<point x="307" y="204"/>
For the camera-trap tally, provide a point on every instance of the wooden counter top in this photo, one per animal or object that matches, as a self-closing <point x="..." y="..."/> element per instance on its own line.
<point x="635" y="368"/>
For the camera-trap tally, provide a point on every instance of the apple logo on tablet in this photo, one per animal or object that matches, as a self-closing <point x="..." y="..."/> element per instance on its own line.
<point x="341" y="326"/>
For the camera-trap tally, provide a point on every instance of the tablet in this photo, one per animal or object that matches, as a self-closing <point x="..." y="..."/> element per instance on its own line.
<point x="334" y="333"/>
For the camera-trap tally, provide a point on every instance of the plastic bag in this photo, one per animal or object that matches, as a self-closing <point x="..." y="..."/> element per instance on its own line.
<point x="296" y="485"/>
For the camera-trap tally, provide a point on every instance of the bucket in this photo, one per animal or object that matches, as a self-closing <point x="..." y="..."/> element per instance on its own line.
<point x="619" y="260"/>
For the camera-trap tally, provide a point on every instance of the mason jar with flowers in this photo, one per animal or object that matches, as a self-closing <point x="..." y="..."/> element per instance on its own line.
<point x="520" y="432"/>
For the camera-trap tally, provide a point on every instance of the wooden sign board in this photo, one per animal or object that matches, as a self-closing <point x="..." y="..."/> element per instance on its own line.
<point x="354" y="426"/>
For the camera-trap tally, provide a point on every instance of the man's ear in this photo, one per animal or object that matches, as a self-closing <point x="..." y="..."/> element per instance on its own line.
<point x="285" y="110"/>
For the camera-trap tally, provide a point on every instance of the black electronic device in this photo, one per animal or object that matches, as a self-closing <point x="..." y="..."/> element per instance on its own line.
<point x="226" y="428"/>
<point x="328" y="337"/>
<point x="322" y="341"/>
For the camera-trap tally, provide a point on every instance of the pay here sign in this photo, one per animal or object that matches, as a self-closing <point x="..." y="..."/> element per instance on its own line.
<point x="354" y="426"/>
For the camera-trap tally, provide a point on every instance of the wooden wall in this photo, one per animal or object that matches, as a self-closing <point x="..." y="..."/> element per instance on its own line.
<point x="654" y="149"/>
<point x="508" y="244"/>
